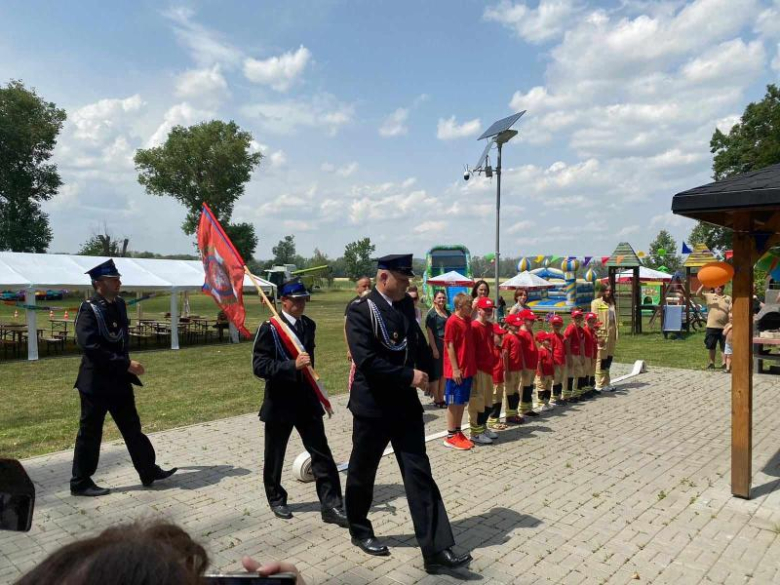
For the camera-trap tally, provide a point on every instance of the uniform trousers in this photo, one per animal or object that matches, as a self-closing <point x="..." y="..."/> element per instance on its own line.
<point x="86" y="454"/>
<point x="370" y="437"/>
<point x="326" y="475"/>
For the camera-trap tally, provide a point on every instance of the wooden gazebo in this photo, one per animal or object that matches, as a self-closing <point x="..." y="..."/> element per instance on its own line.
<point x="624" y="258"/>
<point x="700" y="256"/>
<point x="748" y="204"/>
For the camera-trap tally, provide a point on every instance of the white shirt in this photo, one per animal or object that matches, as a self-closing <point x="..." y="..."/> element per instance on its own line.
<point x="384" y="296"/>
<point x="290" y="318"/>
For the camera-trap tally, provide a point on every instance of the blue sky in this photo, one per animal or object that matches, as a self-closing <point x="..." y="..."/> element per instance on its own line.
<point x="366" y="112"/>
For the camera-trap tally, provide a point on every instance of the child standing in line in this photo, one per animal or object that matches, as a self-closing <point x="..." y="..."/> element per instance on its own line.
<point x="590" y="353"/>
<point x="574" y="340"/>
<point x="512" y="353"/>
<point x="459" y="370"/>
<point x="499" y="380"/>
<point x="530" y="359"/>
<point x="545" y="370"/>
<point x="481" y="400"/>
<point x="728" y="350"/>
<point x="559" y="358"/>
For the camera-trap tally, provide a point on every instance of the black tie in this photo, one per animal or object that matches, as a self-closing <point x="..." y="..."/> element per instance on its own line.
<point x="299" y="329"/>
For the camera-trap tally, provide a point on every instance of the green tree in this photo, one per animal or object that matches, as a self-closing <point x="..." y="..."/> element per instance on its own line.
<point x="669" y="258"/>
<point x="206" y="163"/>
<point x="104" y="245"/>
<point x="28" y="134"/>
<point x="284" y="251"/>
<point x="243" y="237"/>
<point x="357" y="259"/>
<point x="751" y="144"/>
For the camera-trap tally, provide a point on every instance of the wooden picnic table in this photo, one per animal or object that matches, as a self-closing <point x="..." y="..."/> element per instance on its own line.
<point x="761" y="347"/>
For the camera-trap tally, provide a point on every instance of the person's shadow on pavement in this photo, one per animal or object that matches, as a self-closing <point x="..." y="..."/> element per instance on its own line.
<point x="191" y="477"/>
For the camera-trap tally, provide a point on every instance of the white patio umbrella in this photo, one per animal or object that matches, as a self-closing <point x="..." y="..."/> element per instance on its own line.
<point x="525" y="280"/>
<point x="451" y="278"/>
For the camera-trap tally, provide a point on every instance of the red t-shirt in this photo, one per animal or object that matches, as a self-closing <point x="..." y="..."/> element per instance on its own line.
<point x="590" y="345"/>
<point x="483" y="346"/>
<point x="458" y="333"/>
<point x="498" y="365"/>
<point x="558" y="349"/>
<point x="530" y="353"/>
<point x="575" y="335"/>
<point x="545" y="367"/>
<point x="515" y="352"/>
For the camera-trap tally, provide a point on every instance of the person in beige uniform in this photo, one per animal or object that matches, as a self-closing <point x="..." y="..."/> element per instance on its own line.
<point x="604" y="306"/>
<point x="718" y="308"/>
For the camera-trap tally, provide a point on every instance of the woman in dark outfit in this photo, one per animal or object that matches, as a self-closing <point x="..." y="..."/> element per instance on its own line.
<point x="435" y="321"/>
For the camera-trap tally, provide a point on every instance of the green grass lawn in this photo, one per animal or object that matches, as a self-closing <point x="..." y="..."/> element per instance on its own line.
<point x="40" y="409"/>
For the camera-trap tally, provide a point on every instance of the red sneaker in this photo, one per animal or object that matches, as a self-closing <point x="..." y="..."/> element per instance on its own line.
<point x="454" y="442"/>
<point x="464" y="441"/>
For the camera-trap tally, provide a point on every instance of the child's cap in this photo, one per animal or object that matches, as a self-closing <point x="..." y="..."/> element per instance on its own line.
<point x="541" y="336"/>
<point x="527" y="315"/>
<point x="576" y="313"/>
<point x="591" y="316"/>
<point x="485" y="303"/>
<point x="497" y="330"/>
<point x="556" y="320"/>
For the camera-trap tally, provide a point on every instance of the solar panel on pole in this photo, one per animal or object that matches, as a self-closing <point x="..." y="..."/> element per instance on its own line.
<point x="501" y="125"/>
<point x="485" y="152"/>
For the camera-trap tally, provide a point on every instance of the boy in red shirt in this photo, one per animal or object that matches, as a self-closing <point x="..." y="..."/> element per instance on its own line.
<point x="559" y="358"/>
<point x="530" y="358"/>
<point x="590" y="351"/>
<point x="512" y="353"/>
<point x="459" y="370"/>
<point x="481" y="400"/>
<point x="545" y="370"/>
<point x="575" y="351"/>
<point x="499" y="380"/>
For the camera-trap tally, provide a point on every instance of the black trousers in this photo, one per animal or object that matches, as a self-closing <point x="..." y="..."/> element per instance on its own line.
<point x="312" y="432"/>
<point x="370" y="437"/>
<point x="122" y="408"/>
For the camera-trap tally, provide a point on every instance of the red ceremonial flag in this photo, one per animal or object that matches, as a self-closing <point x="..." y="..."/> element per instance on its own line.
<point x="224" y="269"/>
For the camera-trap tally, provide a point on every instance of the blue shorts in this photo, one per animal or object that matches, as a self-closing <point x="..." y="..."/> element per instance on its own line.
<point x="457" y="394"/>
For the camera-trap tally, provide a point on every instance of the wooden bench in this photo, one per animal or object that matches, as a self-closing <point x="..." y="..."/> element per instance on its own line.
<point x="761" y="347"/>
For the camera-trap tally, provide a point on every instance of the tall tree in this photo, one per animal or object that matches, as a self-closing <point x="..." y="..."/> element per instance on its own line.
<point x="244" y="239"/>
<point x="357" y="258"/>
<point x="206" y="163"/>
<point x="104" y="245"/>
<point x="751" y="144"/>
<point x="669" y="257"/>
<point x="284" y="251"/>
<point x="29" y="126"/>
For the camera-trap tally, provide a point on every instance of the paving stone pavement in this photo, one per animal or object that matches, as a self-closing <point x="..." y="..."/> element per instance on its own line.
<point x="628" y="487"/>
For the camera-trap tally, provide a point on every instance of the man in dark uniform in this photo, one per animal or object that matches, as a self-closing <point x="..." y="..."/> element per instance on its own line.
<point x="290" y="402"/>
<point x="390" y="354"/>
<point x="105" y="384"/>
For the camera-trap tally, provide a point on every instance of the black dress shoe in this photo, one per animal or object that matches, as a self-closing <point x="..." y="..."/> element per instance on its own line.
<point x="282" y="511"/>
<point x="444" y="560"/>
<point x="159" y="473"/>
<point x="335" y="516"/>
<point x="371" y="546"/>
<point x="91" y="491"/>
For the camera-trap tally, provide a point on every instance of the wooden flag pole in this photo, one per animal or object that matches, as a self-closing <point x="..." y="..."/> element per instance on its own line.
<point x="275" y="313"/>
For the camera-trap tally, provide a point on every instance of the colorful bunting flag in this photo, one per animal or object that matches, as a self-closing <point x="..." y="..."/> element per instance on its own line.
<point x="686" y="249"/>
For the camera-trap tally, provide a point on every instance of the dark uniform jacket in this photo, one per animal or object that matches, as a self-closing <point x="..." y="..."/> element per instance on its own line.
<point x="383" y="376"/>
<point x="103" y="336"/>
<point x="288" y="396"/>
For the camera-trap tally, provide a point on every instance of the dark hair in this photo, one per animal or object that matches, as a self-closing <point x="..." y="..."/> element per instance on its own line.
<point x="476" y="286"/>
<point x="130" y="554"/>
<point x="440" y="292"/>
<point x="611" y="299"/>
<point x="519" y="290"/>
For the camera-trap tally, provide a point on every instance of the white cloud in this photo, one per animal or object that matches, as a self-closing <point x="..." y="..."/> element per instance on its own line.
<point x="395" y="123"/>
<point x="182" y="114"/>
<point x="346" y="170"/>
<point x="202" y="85"/>
<point x="520" y="227"/>
<point x="449" y="129"/>
<point x="287" y="117"/>
<point x="430" y="227"/>
<point x="279" y="72"/>
<point x="95" y="122"/>
<point x="205" y="46"/>
<point x="669" y="219"/>
<point x="545" y="22"/>
<point x="726" y="62"/>
<point x="627" y="231"/>
<point x="776" y="60"/>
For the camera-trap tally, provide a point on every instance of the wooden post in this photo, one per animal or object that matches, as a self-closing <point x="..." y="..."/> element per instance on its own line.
<point x="688" y="299"/>
<point x="742" y="358"/>
<point x="637" y="292"/>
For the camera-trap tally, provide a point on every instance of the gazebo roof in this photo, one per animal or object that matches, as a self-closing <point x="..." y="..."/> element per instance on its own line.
<point x="629" y="258"/>
<point x="715" y="203"/>
<point x="700" y="256"/>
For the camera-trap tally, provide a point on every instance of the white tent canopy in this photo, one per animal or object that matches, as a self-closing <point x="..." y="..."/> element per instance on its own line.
<point x="451" y="278"/>
<point x="645" y="274"/>
<point x="526" y="280"/>
<point x="25" y="271"/>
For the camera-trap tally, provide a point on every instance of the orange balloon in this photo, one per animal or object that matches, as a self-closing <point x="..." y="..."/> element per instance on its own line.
<point x="715" y="274"/>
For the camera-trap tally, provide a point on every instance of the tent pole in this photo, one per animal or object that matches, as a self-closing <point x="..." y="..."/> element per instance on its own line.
<point x="138" y="310"/>
<point x="174" y="319"/>
<point x="32" y="326"/>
